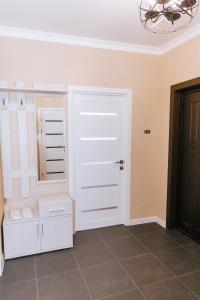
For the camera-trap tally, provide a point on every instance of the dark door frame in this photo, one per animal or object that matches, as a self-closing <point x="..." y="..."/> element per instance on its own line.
<point x="177" y="95"/>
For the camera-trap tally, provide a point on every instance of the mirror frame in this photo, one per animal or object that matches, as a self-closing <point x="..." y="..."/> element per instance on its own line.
<point x="65" y="132"/>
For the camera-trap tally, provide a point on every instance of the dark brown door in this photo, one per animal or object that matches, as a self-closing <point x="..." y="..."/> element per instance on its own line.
<point x="188" y="206"/>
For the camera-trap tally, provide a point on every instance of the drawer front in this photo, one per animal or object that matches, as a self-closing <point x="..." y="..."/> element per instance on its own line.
<point x="55" y="210"/>
<point x="21" y="239"/>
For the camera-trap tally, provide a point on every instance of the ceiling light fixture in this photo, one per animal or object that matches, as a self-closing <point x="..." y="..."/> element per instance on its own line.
<point x="165" y="16"/>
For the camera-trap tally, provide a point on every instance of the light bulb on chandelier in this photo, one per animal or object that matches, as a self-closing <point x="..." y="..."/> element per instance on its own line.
<point x="165" y="16"/>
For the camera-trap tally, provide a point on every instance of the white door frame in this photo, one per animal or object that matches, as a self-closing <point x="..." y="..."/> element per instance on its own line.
<point x="126" y="147"/>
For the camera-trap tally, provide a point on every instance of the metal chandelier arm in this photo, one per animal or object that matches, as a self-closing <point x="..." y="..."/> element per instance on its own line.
<point x="178" y="14"/>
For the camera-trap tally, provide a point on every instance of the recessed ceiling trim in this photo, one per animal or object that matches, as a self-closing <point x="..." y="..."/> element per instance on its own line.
<point x="43" y="36"/>
<point x="76" y="40"/>
<point x="181" y="39"/>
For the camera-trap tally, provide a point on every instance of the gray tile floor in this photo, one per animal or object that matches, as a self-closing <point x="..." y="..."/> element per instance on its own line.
<point x="116" y="263"/>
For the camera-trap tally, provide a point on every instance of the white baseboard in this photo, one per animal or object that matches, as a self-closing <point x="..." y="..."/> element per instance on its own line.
<point x="1" y="264"/>
<point x="149" y="220"/>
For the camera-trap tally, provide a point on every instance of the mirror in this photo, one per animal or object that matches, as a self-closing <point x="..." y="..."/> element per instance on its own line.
<point x="51" y="139"/>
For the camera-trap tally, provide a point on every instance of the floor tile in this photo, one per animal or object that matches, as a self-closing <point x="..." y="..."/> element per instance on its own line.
<point x="192" y="280"/>
<point x="21" y="291"/>
<point x="146" y="269"/>
<point x="179" y="260"/>
<point x="92" y="254"/>
<point x="157" y="241"/>
<point x="144" y="228"/>
<point x="54" y="262"/>
<point x="86" y="237"/>
<point x="126" y="247"/>
<point x="193" y="249"/>
<point x="60" y="279"/>
<point x="168" y="290"/>
<point x="68" y="286"/>
<point x="18" y="270"/>
<point x="178" y="236"/>
<point x="130" y="295"/>
<point x="107" y="279"/>
<point x="113" y="232"/>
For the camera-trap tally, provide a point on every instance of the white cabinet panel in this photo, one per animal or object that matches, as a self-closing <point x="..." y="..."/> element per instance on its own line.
<point x="56" y="233"/>
<point x="21" y="239"/>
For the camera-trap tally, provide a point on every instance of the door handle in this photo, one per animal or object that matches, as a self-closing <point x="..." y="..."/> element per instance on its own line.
<point x="56" y="210"/>
<point x="121" y="162"/>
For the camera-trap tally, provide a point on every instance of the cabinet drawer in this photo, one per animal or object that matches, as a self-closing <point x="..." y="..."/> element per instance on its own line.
<point x="55" y="210"/>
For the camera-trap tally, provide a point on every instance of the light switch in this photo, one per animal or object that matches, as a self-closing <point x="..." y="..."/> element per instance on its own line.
<point x="147" y="131"/>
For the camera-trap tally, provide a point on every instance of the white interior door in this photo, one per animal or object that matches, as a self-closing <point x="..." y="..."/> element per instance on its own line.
<point x="100" y="159"/>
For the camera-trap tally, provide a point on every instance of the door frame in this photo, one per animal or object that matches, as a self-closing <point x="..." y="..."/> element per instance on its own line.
<point x="176" y="100"/>
<point x="127" y="141"/>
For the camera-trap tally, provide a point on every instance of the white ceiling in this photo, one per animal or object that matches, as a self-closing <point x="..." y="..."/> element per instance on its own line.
<point x="112" y="20"/>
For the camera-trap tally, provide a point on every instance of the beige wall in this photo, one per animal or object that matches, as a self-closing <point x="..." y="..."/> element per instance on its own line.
<point x="46" y="102"/>
<point x="150" y="78"/>
<point x="34" y="61"/>
<point x="178" y="65"/>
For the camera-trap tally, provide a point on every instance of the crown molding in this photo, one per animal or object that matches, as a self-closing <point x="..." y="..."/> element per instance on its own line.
<point x="181" y="39"/>
<point x="15" y="32"/>
<point x="43" y="36"/>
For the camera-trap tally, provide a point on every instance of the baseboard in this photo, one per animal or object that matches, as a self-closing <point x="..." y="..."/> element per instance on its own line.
<point x="1" y="264"/>
<point x="149" y="220"/>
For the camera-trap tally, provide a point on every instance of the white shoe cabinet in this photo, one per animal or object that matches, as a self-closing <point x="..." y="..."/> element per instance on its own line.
<point x="36" y="235"/>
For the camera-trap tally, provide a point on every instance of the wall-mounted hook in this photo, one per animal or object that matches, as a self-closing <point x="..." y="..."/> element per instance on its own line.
<point x="4" y="106"/>
<point x="21" y="104"/>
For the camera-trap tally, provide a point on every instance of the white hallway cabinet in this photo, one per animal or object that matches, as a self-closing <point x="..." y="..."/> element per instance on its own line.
<point x="31" y="236"/>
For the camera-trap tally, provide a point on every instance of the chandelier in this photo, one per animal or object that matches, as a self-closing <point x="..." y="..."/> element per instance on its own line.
<point x="164" y="16"/>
